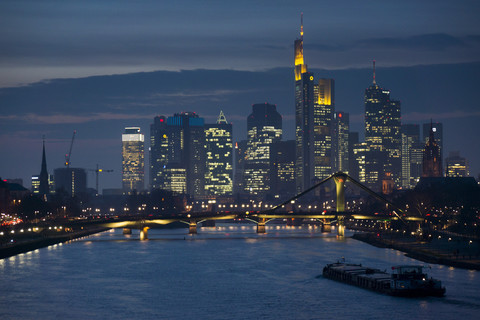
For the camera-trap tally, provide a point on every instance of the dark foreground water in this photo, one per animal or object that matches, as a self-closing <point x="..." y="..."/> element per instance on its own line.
<point x="227" y="272"/>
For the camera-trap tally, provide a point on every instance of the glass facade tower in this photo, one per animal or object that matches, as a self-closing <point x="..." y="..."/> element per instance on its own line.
<point x="264" y="127"/>
<point x="219" y="156"/>
<point x="382" y="134"/>
<point x="133" y="159"/>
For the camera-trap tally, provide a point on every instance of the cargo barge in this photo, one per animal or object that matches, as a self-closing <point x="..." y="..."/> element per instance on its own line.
<point x="405" y="280"/>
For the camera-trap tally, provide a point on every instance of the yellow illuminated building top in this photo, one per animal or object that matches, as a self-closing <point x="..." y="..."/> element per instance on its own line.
<point x="325" y="92"/>
<point x="300" y="66"/>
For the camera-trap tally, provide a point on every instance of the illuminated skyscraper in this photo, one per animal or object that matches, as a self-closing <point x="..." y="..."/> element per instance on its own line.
<point x="314" y="110"/>
<point x="341" y="142"/>
<point x="300" y="66"/>
<point x="304" y="101"/>
<point x="158" y="153"/>
<point x="133" y="159"/>
<point x="323" y="128"/>
<point x="456" y="166"/>
<point x="282" y="168"/>
<point x="369" y="162"/>
<point x="240" y="159"/>
<point x="382" y="132"/>
<point x="186" y="145"/>
<point x="264" y="127"/>
<point x="412" y="153"/>
<point x="219" y="156"/>
<point x="352" y="162"/>
<point x="432" y="161"/>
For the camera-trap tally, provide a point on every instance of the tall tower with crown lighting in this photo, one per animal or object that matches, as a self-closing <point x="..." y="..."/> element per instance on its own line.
<point x="314" y="111"/>
<point x="304" y="103"/>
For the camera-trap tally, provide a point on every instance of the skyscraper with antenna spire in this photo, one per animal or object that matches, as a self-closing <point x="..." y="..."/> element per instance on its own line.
<point x="304" y="101"/>
<point x="314" y="110"/>
<point x="382" y="135"/>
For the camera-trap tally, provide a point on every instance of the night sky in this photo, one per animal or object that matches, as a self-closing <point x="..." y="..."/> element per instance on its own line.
<point x="216" y="55"/>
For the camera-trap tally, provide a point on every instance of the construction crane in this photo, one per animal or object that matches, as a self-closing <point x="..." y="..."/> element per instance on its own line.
<point x="68" y="155"/>
<point x="97" y="171"/>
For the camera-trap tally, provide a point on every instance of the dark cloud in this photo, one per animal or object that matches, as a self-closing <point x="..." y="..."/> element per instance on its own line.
<point x="433" y="42"/>
<point x="327" y="47"/>
<point x="79" y="38"/>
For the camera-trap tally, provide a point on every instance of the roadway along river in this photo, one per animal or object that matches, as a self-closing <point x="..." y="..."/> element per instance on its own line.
<point x="227" y="272"/>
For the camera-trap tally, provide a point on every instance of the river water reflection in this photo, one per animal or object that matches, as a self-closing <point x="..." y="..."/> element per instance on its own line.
<point x="224" y="272"/>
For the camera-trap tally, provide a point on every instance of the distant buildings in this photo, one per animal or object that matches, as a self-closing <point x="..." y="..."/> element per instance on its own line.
<point x="132" y="159"/>
<point x="73" y="181"/>
<point x="190" y="157"/>
<point x="456" y="166"/>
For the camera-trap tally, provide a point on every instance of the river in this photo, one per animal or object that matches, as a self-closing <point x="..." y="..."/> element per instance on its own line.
<point x="224" y="272"/>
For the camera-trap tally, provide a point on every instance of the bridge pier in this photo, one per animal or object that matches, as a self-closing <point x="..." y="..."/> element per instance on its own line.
<point x="341" y="226"/>
<point x="127" y="231"/>
<point x="144" y="234"/>
<point x="326" y="227"/>
<point x="340" y="179"/>
<point x="192" y="227"/>
<point x="261" y="226"/>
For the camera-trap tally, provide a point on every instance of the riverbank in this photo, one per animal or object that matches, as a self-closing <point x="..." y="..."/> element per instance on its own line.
<point x="43" y="241"/>
<point x="447" y="251"/>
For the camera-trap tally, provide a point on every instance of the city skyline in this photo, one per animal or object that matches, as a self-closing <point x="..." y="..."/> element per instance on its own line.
<point x="92" y="105"/>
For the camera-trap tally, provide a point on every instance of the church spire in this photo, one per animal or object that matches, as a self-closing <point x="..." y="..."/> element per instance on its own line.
<point x="44" y="188"/>
<point x="432" y="160"/>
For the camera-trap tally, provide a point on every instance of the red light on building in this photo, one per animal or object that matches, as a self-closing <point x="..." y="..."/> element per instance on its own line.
<point x="339" y="115"/>
<point x="161" y="120"/>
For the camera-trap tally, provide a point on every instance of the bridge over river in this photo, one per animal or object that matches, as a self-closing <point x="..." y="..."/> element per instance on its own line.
<point x="261" y="218"/>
